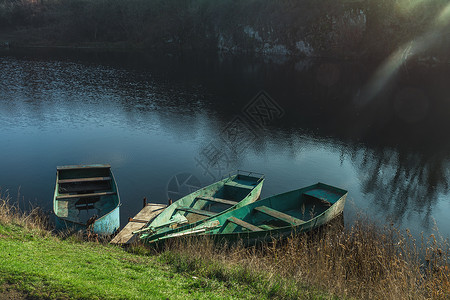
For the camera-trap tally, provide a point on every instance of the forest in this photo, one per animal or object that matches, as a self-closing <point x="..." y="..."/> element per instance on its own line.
<point x="333" y="28"/>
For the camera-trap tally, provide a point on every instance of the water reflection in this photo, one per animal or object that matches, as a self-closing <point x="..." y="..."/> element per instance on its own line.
<point x="401" y="180"/>
<point x="153" y="117"/>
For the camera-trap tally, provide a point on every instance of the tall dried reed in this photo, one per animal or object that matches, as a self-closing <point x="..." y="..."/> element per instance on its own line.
<point x="11" y="213"/>
<point x="363" y="261"/>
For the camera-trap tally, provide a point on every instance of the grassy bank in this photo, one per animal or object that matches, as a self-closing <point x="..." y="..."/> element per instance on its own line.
<point x="362" y="262"/>
<point x="39" y="264"/>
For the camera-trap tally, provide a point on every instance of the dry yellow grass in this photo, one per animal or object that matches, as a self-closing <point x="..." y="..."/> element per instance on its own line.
<point x="10" y="213"/>
<point x="363" y="261"/>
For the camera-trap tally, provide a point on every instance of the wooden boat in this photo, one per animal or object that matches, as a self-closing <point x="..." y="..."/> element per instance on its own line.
<point x="86" y="197"/>
<point x="230" y="193"/>
<point x="275" y="217"/>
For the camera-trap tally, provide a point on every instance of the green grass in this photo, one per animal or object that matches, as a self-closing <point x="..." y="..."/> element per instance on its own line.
<point x="41" y="265"/>
<point x="48" y="267"/>
<point x="37" y="264"/>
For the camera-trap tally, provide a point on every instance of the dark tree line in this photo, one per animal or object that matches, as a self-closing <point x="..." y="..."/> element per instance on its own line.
<point x="201" y="23"/>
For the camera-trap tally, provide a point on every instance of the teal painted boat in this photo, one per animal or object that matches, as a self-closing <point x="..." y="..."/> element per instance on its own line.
<point x="275" y="217"/>
<point x="86" y="197"/>
<point x="230" y="193"/>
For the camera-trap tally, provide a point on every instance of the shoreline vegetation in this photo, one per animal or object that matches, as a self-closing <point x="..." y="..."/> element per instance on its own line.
<point x="328" y="28"/>
<point x="364" y="261"/>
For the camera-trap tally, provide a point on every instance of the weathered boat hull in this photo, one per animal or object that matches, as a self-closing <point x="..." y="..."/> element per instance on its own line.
<point x="105" y="226"/>
<point x="86" y="197"/>
<point x="225" y="195"/>
<point x="276" y="217"/>
<point x="252" y="238"/>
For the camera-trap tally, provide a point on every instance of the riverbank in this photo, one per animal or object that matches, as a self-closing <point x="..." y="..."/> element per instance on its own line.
<point x="39" y="264"/>
<point x="340" y="29"/>
<point x="362" y="262"/>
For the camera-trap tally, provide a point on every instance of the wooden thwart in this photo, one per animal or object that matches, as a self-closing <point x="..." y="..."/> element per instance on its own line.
<point x="197" y="211"/>
<point x="90" y="187"/>
<point x="84" y="180"/>
<point x="148" y="213"/>
<point x="279" y="215"/>
<point x="218" y="200"/>
<point x="85" y="195"/>
<point x="84" y="167"/>
<point x="239" y="185"/>
<point x="244" y="224"/>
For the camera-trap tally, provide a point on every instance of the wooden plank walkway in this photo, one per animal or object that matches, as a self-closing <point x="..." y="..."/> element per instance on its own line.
<point x="149" y="212"/>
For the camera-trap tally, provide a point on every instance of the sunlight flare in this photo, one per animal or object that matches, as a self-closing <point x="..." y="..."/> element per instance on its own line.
<point x="392" y="64"/>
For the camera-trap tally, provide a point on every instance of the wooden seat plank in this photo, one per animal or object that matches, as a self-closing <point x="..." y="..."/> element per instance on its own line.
<point x="239" y="185"/>
<point x="218" y="200"/>
<point x="279" y="215"/>
<point x="84" y="188"/>
<point x="83" y="167"/>
<point x="244" y="224"/>
<point x="62" y="181"/>
<point x="198" y="211"/>
<point x="65" y="196"/>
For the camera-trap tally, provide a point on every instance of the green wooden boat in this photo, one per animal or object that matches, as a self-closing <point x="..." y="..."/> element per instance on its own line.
<point x="230" y="193"/>
<point x="275" y="217"/>
<point x="86" y="197"/>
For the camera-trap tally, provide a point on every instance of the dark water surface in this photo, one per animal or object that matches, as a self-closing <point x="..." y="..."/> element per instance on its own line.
<point x="169" y="123"/>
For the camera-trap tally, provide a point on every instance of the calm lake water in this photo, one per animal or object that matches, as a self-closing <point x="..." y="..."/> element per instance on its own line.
<point x="167" y="124"/>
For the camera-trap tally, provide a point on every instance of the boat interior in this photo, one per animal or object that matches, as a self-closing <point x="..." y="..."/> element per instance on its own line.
<point x="231" y="193"/>
<point x="85" y="194"/>
<point x="281" y="211"/>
